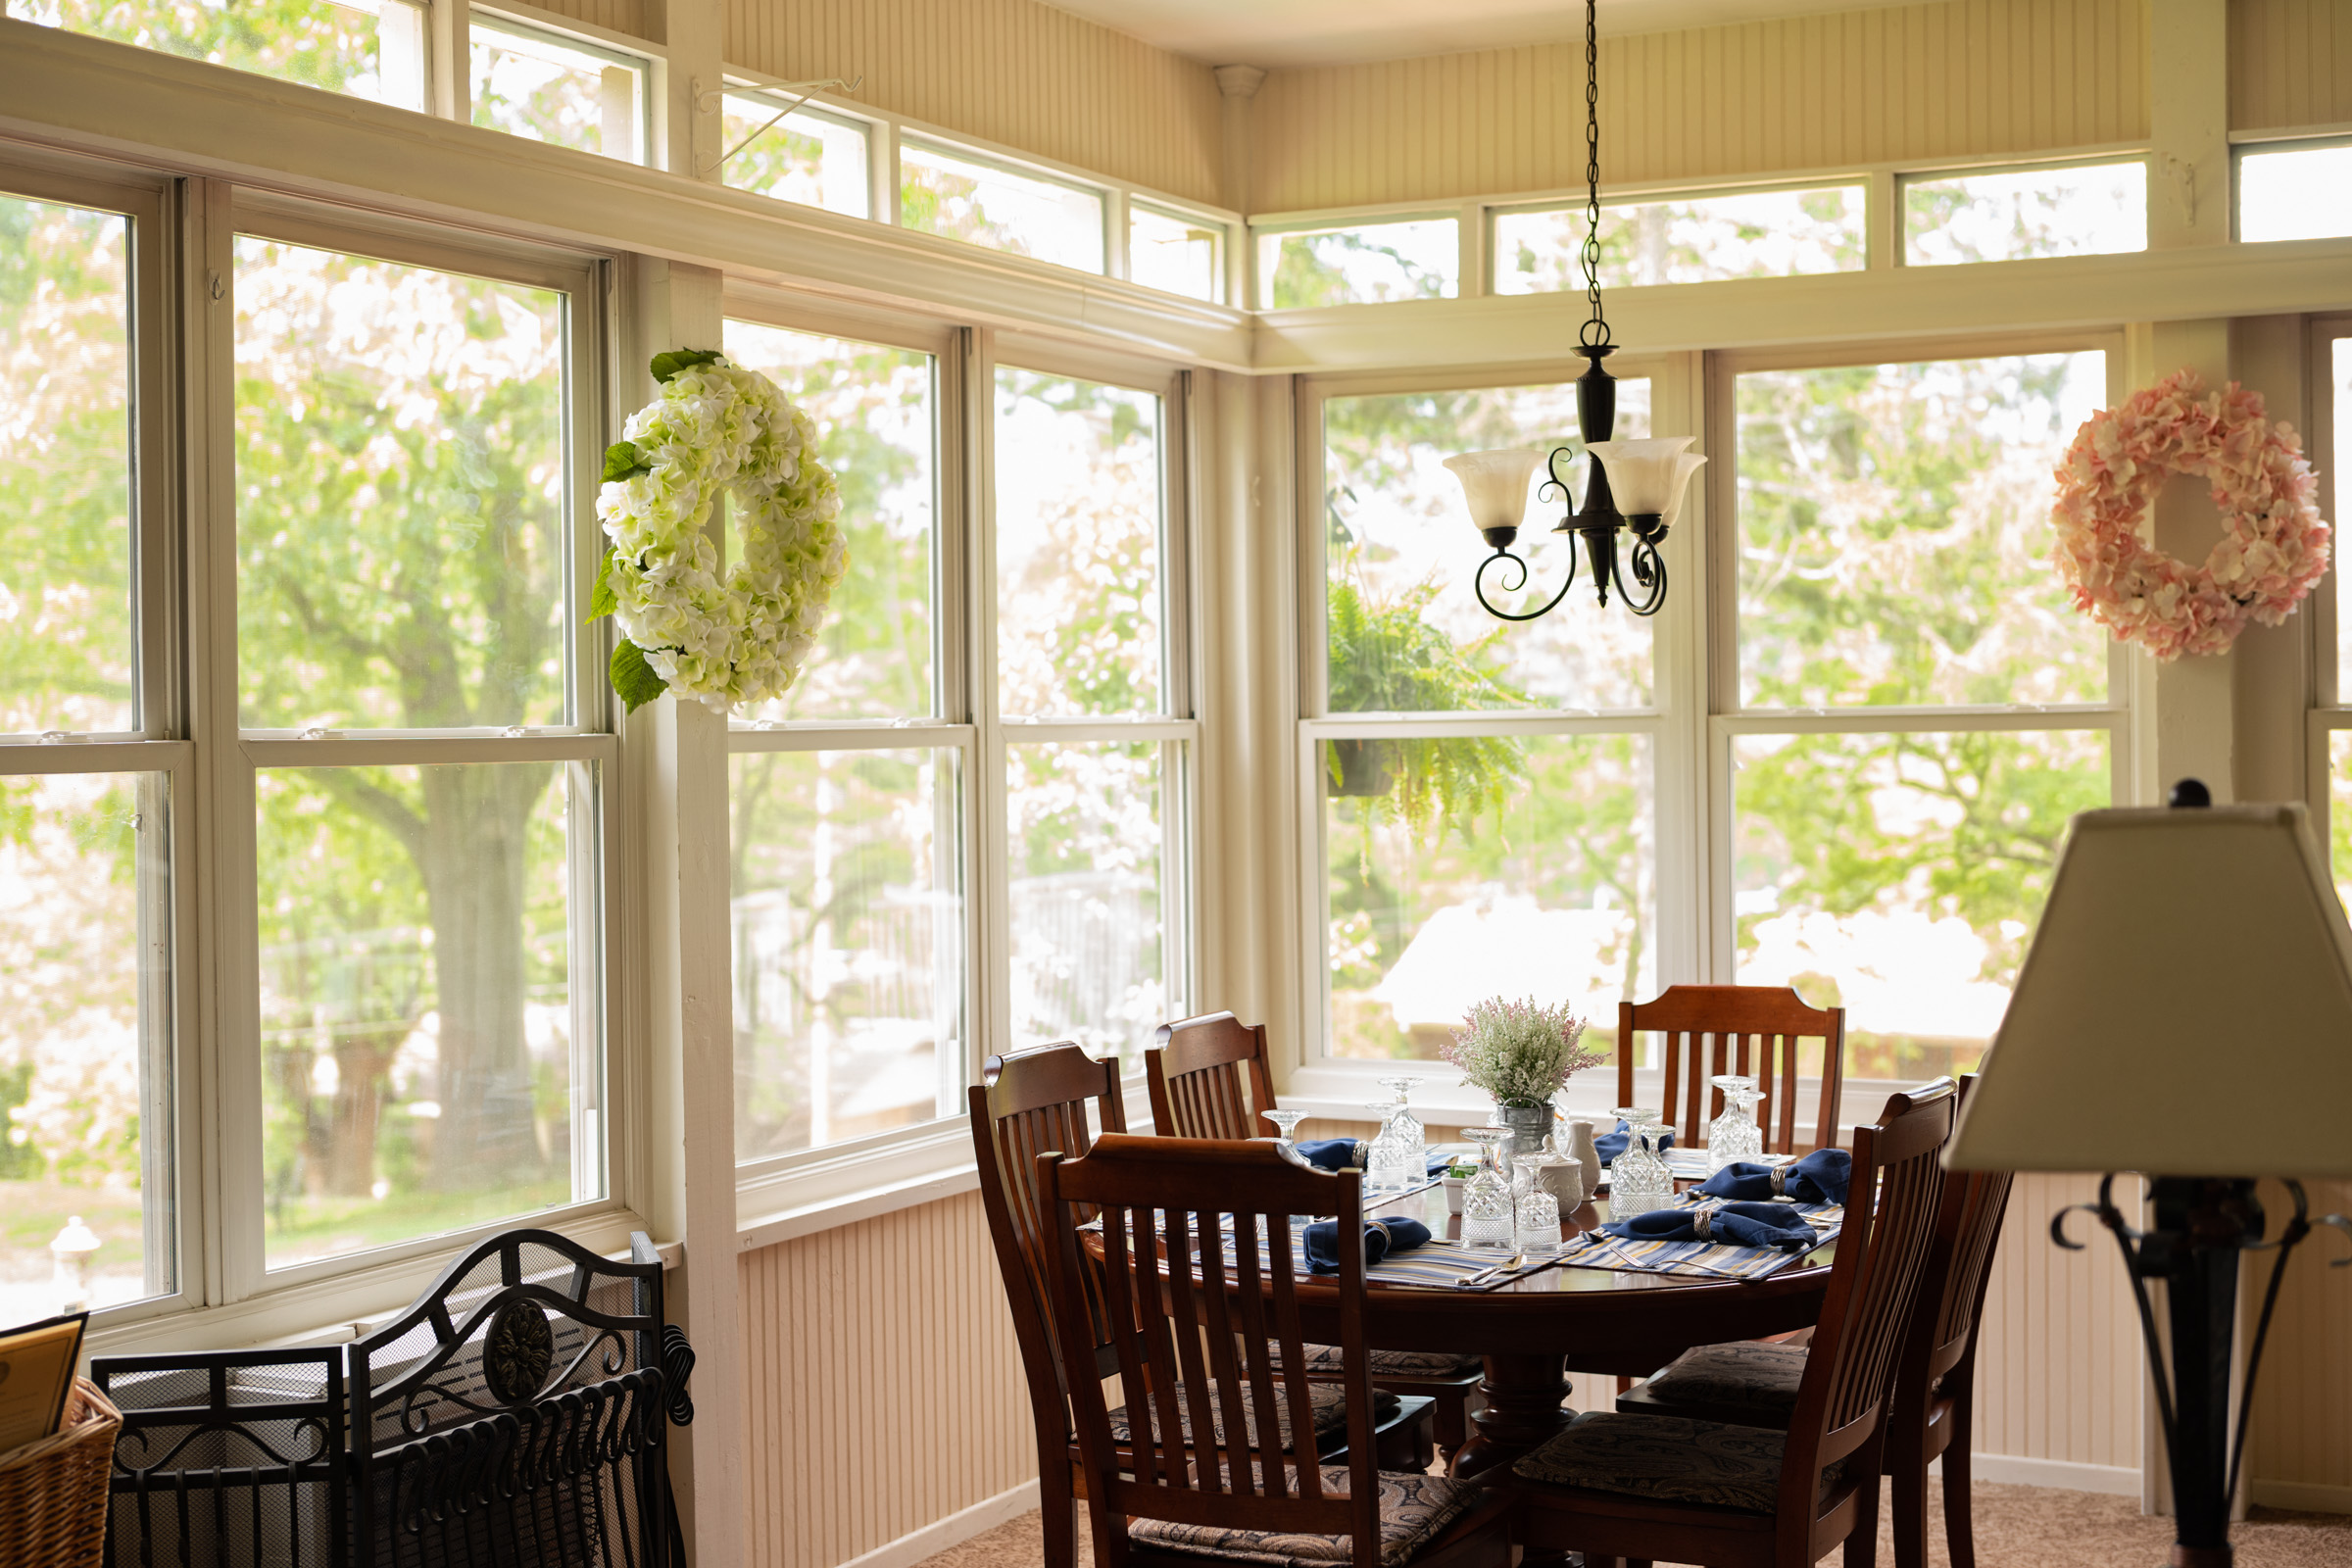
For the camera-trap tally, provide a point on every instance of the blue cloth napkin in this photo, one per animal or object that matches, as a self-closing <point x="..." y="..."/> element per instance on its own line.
<point x="1333" y="1154"/>
<point x="1381" y="1238"/>
<point x="1821" y="1177"/>
<point x="1349" y="1154"/>
<point x="1611" y="1145"/>
<point x="1726" y="1224"/>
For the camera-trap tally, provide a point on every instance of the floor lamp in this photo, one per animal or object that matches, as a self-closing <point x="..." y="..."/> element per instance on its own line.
<point x="2184" y="1013"/>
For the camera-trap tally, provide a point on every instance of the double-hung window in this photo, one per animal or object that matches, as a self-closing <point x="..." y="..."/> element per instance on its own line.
<point x="1908" y="709"/>
<point x="96" y="778"/>
<point x="2329" y="446"/>
<point x="1482" y="798"/>
<point x="413" y="811"/>
<point x="964" y="828"/>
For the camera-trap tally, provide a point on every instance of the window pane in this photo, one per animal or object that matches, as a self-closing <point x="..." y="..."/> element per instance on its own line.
<point x="86" y="1093"/>
<point x="1550" y="892"/>
<point x="1899" y="877"/>
<point x="1366" y="264"/>
<point x="1089" y="957"/>
<point x="424" y="1061"/>
<point x="527" y="83"/>
<point x="1078" y="540"/>
<point x="1407" y="633"/>
<point x="1169" y="251"/>
<point x="66" y="630"/>
<point x="1763" y="233"/>
<point x="1894" y="535"/>
<point x="2340" y="812"/>
<point x="368" y="48"/>
<point x="2341" y="357"/>
<point x="399" y="495"/>
<point x="849" y="946"/>
<point x="805" y="157"/>
<point x="963" y="198"/>
<point x="2080" y="211"/>
<point x="2295" y="194"/>
<point x="877" y="421"/>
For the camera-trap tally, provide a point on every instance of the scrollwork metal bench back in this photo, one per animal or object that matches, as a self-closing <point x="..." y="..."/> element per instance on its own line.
<point x="515" y="1414"/>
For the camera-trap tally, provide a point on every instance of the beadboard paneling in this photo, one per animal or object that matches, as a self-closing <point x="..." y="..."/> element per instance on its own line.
<point x="2302" y="1425"/>
<point x="621" y="16"/>
<point x="1012" y="72"/>
<point x="884" y="1383"/>
<point x="2290" y="64"/>
<point x="1957" y="79"/>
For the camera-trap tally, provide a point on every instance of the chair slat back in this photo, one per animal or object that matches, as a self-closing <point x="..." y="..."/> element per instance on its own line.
<point x="1190" y="1321"/>
<point x="1208" y="1078"/>
<point x="1889" y="1231"/>
<point x="1027" y="1104"/>
<point x="1712" y="1030"/>
<point x="1966" y="1234"/>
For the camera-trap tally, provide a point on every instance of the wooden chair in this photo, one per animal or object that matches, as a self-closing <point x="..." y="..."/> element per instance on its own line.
<point x="1712" y="1030"/>
<point x="1628" y="1486"/>
<point x="1933" y="1397"/>
<point x="1026" y="1104"/>
<point x="1208" y="1078"/>
<point x="1214" y="1369"/>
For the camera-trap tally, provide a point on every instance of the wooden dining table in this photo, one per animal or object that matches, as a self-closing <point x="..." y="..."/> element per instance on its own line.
<point x="1534" y="1329"/>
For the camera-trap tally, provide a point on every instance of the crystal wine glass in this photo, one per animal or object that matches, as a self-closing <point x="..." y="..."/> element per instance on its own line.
<point x="1640" y="1181"/>
<point x="1286" y="1125"/>
<point x="1408" y="1145"/>
<point x="1538" y="1212"/>
<point x="1634" y="1116"/>
<point x="1381" y="1155"/>
<point x="1735" y="1136"/>
<point x="1489" y="1215"/>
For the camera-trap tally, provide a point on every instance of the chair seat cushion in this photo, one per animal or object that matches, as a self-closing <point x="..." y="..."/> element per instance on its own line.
<point x="1414" y="1510"/>
<point x="1326" y="1401"/>
<point x="1667" y="1458"/>
<point x="1747" y="1376"/>
<point x="1322" y="1359"/>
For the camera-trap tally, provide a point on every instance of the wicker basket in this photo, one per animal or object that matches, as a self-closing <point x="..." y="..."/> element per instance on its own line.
<point x="53" y="1492"/>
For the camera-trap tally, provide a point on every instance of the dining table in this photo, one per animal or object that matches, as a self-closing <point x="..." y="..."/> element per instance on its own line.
<point x="1536" y="1327"/>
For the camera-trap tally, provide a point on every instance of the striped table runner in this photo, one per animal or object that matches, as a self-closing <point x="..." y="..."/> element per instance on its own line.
<point x="1703" y="1259"/>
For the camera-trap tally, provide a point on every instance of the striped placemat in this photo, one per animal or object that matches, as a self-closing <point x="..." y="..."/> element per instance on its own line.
<point x="1701" y="1259"/>
<point x="1433" y="1264"/>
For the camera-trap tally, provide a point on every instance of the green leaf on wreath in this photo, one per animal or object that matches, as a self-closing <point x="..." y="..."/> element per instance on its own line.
<point x="633" y="679"/>
<point x="668" y="364"/>
<point x="622" y="459"/>
<point x="601" y="600"/>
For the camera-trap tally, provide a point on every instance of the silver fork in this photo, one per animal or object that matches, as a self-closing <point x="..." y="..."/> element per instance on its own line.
<point x="1469" y="1281"/>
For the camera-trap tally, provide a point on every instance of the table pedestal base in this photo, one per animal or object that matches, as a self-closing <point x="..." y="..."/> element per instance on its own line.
<point x="1523" y="1411"/>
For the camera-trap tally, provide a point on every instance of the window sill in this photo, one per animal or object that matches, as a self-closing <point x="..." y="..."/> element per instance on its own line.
<point x="336" y="1309"/>
<point x="922" y="1166"/>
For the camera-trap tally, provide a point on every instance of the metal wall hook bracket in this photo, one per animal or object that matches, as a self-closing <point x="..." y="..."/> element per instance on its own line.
<point x="709" y="100"/>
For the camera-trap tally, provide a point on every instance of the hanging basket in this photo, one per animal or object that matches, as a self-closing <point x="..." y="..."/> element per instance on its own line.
<point x="53" y="1490"/>
<point x="1367" y="767"/>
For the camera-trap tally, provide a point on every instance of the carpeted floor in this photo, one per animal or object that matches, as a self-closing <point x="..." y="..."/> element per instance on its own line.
<point x="2017" y="1527"/>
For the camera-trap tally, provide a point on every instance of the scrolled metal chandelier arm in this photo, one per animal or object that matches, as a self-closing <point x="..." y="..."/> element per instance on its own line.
<point x="1649" y="571"/>
<point x="1478" y="585"/>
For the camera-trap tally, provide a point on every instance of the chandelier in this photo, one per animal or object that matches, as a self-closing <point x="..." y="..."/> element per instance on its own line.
<point x="1632" y="487"/>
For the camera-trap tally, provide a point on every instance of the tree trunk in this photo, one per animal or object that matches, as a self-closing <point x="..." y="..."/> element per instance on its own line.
<point x="471" y="854"/>
<point x="362" y="1069"/>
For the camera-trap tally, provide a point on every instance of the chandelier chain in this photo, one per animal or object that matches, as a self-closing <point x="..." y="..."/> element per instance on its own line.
<point x="1596" y="330"/>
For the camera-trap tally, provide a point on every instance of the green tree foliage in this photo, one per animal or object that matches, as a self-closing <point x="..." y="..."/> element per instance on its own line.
<point x="314" y="42"/>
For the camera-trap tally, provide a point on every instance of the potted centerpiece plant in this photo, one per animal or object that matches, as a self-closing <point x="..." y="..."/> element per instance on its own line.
<point x="1522" y="1053"/>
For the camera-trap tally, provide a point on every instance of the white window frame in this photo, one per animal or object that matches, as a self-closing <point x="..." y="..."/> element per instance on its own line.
<point x="780" y="1196"/>
<point x="2331" y="706"/>
<point x="357" y="1281"/>
<point x="634" y="55"/>
<point x="1470" y="237"/>
<point x="1618" y="198"/>
<point x="1908" y="176"/>
<point x="1330" y="1086"/>
<point x="881" y="182"/>
<point x="2255" y="144"/>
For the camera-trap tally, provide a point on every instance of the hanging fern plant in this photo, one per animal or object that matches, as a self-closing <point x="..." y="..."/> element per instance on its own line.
<point x="1387" y="658"/>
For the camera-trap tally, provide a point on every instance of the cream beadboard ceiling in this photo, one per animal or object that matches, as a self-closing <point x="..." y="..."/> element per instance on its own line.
<point x="1311" y="33"/>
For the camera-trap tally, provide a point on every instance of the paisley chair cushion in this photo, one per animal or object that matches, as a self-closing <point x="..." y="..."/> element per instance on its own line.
<point x="1326" y="1401"/>
<point x="1414" y="1510"/>
<point x="1666" y="1458"/>
<point x="1747" y="1376"/>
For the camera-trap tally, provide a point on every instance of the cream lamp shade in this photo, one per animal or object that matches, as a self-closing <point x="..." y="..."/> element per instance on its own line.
<point x="1646" y="476"/>
<point x="2186" y="1008"/>
<point x="1494" y="483"/>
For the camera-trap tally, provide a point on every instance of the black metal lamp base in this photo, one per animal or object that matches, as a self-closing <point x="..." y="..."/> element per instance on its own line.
<point x="2203" y="1225"/>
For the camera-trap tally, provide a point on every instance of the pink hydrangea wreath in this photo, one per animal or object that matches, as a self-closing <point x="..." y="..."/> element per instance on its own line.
<point x="2273" y="546"/>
